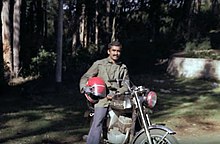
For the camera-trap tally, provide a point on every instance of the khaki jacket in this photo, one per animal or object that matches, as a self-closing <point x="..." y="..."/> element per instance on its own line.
<point x="107" y="70"/>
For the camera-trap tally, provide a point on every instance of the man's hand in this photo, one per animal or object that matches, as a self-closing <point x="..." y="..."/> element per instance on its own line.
<point x="110" y="95"/>
<point x="86" y="89"/>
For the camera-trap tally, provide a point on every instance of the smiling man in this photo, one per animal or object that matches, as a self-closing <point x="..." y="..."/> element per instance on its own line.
<point x="107" y="68"/>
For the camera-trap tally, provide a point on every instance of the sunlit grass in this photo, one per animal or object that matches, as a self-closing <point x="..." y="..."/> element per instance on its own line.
<point x="189" y="98"/>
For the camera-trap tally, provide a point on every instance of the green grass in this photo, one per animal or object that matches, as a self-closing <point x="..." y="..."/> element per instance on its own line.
<point x="42" y="115"/>
<point x="188" y="102"/>
<point x="37" y="113"/>
<point x="41" y="124"/>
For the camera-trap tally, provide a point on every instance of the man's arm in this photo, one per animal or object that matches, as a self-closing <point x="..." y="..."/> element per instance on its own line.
<point x="124" y="87"/>
<point x="92" y="71"/>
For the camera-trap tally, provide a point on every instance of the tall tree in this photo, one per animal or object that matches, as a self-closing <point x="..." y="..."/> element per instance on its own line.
<point x="39" y="22"/>
<point x="107" y="23"/>
<point x="96" y="23"/>
<point x="1" y="53"/>
<point x="75" y="35"/>
<point x="6" y="39"/>
<point x="188" y="13"/>
<point x="82" y="25"/>
<point x="45" y="19"/>
<point x="59" y="43"/>
<point x="16" y="37"/>
<point x="115" y="22"/>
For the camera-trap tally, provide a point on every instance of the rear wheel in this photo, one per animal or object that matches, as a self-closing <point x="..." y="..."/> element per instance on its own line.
<point x="157" y="135"/>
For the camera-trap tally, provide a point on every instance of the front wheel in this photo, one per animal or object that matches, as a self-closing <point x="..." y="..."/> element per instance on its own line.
<point x="157" y="136"/>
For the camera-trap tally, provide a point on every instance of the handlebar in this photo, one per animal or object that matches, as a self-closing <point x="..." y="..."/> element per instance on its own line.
<point x="127" y="82"/>
<point x="116" y="80"/>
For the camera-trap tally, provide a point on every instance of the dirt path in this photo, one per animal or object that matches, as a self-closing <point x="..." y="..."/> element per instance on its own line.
<point x="193" y="138"/>
<point x="193" y="130"/>
<point x="205" y="138"/>
<point x="194" y="133"/>
<point x="196" y="130"/>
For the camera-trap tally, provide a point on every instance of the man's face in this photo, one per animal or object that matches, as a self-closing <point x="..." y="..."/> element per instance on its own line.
<point x="115" y="53"/>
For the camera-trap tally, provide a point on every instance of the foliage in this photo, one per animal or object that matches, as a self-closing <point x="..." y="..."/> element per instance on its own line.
<point x="200" y="49"/>
<point x="198" y="45"/>
<point x="151" y="29"/>
<point x="83" y="58"/>
<point x="43" y="64"/>
<point x="207" y="54"/>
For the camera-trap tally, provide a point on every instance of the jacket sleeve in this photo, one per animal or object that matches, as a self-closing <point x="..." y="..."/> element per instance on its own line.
<point x="125" y="77"/>
<point x="92" y="71"/>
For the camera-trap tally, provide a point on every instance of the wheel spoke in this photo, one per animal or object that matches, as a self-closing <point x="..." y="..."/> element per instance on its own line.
<point x="159" y="140"/>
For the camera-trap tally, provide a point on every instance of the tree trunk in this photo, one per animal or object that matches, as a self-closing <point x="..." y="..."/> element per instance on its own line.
<point x="82" y="26"/>
<point x="75" y="39"/>
<point x="189" y="15"/>
<point x="197" y="6"/>
<point x="7" y="52"/>
<point x="113" y="29"/>
<point x="107" y="25"/>
<point x="1" y="56"/>
<point x="214" y="4"/>
<point x="96" y="24"/>
<point x="115" y="24"/>
<point x="85" y="36"/>
<point x="59" y="43"/>
<point x="39" y="21"/>
<point x="45" y="20"/>
<point x="16" y="37"/>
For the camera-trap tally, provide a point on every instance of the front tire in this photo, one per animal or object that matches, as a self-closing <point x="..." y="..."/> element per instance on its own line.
<point x="156" y="135"/>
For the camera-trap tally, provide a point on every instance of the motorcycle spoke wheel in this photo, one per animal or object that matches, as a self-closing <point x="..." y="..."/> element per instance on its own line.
<point x="157" y="138"/>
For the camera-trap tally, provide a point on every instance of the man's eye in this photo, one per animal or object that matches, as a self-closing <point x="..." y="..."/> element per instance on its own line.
<point x="116" y="50"/>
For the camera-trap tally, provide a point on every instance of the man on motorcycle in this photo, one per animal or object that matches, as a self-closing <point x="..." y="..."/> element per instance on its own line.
<point x="107" y="68"/>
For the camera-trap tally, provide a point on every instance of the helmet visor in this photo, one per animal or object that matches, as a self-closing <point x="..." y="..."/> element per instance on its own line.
<point x="99" y="90"/>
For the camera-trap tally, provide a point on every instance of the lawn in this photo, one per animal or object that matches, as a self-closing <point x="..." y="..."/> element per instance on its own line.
<point x="37" y="112"/>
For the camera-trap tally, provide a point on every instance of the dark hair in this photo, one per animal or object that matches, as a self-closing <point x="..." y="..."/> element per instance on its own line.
<point x="114" y="43"/>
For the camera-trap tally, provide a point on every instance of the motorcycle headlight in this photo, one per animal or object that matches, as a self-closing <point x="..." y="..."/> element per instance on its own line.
<point x="151" y="99"/>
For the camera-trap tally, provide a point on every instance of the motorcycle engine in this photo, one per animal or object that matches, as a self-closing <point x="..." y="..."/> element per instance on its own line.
<point x="124" y="123"/>
<point x="118" y="133"/>
<point x="115" y="136"/>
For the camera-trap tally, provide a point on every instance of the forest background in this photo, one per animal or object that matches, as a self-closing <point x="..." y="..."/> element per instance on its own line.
<point x="58" y="39"/>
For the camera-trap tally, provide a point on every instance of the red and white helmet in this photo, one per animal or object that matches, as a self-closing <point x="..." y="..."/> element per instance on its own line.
<point x="97" y="89"/>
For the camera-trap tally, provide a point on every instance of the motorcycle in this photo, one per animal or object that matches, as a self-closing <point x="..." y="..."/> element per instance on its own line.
<point x="128" y="119"/>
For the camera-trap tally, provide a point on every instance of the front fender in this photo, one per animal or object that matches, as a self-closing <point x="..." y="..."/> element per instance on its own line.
<point x="162" y="127"/>
<point x="154" y="126"/>
<point x="165" y="130"/>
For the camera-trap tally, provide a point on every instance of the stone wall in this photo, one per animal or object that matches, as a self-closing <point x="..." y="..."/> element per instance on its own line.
<point x="194" y="68"/>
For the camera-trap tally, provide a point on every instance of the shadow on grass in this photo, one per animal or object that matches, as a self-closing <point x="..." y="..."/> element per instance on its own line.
<point x="37" y="112"/>
<point x="65" y="125"/>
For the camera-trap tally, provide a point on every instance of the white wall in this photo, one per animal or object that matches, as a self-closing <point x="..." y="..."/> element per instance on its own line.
<point x="194" y="68"/>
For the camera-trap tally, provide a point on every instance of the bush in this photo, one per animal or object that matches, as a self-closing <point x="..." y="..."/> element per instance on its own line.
<point x="201" y="49"/>
<point x="198" y="45"/>
<point x="43" y="64"/>
<point x="208" y="54"/>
